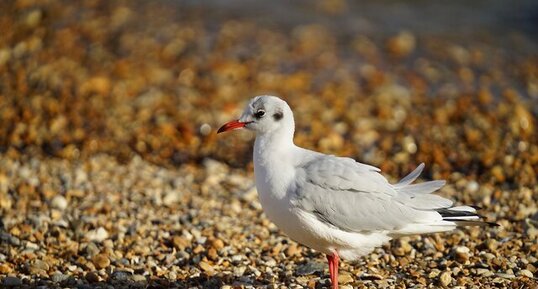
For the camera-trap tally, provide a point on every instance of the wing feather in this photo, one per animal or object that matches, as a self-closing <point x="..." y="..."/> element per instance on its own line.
<point x="356" y="197"/>
<point x="411" y="177"/>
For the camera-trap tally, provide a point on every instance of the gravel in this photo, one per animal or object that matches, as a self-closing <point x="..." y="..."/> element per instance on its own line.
<point x="112" y="175"/>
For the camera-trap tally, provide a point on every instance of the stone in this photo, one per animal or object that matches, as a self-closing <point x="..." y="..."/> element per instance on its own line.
<point x="293" y="250"/>
<point x="345" y="278"/>
<point x="121" y="275"/>
<point x="462" y="254"/>
<point x="171" y="198"/>
<point x="505" y="275"/>
<point x="59" y="277"/>
<point x="138" y="278"/>
<point x="484" y="272"/>
<point x="92" y="277"/>
<point x="206" y="267"/>
<point x="212" y="253"/>
<point x="59" y="202"/>
<point x="38" y="267"/>
<point x="91" y="249"/>
<point x="11" y="281"/>
<point x="180" y="242"/>
<point x="445" y="279"/>
<point x="525" y="273"/>
<point x="309" y="268"/>
<point x="217" y="244"/>
<point x="198" y="249"/>
<point x="402" y="44"/>
<point x="97" y="235"/>
<point x="5" y="269"/>
<point x="39" y="264"/>
<point x="101" y="261"/>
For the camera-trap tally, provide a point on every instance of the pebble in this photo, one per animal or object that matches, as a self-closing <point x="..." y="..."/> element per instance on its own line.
<point x="34" y="17"/>
<point x="445" y="278"/>
<point x="310" y="268"/>
<point x="32" y="246"/>
<point x="138" y="278"/>
<point x="59" y="277"/>
<point x="402" y="44"/>
<point x="239" y="271"/>
<point x="525" y="273"/>
<point x="102" y="162"/>
<point x="39" y="267"/>
<point x="180" y="243"/>
<point x="101" y="261"/>
<point x="5" y="268"/>
<point x="217" y="244"/>
<point x="4" y="237"/>
<point x="171" y="198"/>
<point x="293" y="250"/>
<point x="91" y="250"/>
<point x="92" y="277"/>
<point x="121" y="275"/>
<point x="212" y="254"/>
<point x="345" y="278"/>
<point x="198" y="249"/>
<point x="206" y="267"/>
<point x="505" y="275"/>
<point x="59" y="202"/>
<point x="97" y="235"/>
<point x="472" y="187"/>
<point x="484" y="272"/>
<point x="462" y="254"/>
<point x="11" y="281"/>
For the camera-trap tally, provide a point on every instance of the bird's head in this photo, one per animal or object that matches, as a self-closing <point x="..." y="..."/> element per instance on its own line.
<point x="264" y="114"/>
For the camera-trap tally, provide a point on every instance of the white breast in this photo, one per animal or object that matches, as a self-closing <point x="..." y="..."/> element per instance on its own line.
<point x="274" y="175"/>
<point x="273" y="179"/>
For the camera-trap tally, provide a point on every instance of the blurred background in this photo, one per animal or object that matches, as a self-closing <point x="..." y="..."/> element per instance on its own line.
<point x="156" y="79"/>
<point x="118" y="102"/>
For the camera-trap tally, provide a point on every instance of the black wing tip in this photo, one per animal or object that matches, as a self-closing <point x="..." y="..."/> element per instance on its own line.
<point x="492" y="224"/>
<point x="473" y="222"/>
<point x="454" y="216"/>
<point x="448" y="213"/>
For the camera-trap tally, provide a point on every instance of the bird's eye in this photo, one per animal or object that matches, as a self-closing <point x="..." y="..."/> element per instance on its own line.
<point x="259" y="114"/>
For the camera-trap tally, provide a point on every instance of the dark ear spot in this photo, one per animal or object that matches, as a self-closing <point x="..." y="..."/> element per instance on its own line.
<point x="278" y="115"/>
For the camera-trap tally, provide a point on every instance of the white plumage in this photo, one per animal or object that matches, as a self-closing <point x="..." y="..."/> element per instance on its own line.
<point x="333" y="204"/>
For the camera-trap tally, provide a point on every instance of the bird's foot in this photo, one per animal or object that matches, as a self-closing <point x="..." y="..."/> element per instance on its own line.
<point x="333" y="268"/>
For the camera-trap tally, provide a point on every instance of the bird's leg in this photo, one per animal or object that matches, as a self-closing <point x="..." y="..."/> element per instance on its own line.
<point x="336" y="261"/>
<point x="333" y="268"/>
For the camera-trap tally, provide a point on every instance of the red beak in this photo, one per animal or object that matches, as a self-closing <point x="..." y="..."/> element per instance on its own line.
<point x="234" y="124"/>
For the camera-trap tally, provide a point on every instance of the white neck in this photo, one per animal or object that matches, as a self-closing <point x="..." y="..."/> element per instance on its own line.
<point x="273" y="164"/>
<point x="273" y="142"/>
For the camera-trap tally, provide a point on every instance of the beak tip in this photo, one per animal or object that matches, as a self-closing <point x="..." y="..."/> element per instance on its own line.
<point x="235" y="124"/>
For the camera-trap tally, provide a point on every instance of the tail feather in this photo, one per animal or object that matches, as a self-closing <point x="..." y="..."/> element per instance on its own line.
<point x="422" y="188"/>
<point x="418" y="197"/>
<point x="405" y="185"/>
<point x="464" y="216"/>
<point x="410" y="177"/>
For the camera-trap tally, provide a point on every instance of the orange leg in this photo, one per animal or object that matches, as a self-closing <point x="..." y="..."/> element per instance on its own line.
<point x="333" y="268"/>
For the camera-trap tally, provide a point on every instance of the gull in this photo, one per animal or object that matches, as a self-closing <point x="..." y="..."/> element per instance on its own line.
<point x="336" y="205"/>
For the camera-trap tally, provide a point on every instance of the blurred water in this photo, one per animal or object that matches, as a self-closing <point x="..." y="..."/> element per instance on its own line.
<point x="495" y="20"/>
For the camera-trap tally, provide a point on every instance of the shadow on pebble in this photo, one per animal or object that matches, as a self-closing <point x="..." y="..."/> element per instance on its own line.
<point x="203" y="282"/>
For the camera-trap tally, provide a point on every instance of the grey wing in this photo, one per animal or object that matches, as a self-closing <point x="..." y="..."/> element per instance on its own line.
<point x="356" y="197"/>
